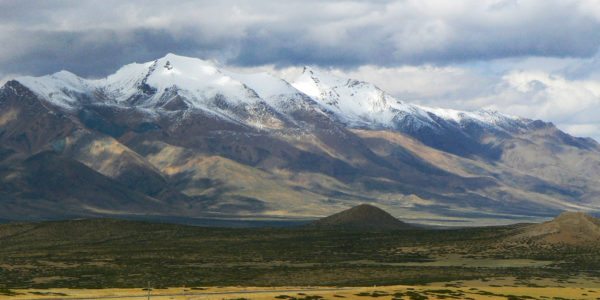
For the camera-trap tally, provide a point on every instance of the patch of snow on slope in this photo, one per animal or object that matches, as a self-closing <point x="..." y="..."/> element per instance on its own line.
<point x="356" y="102"/>
<point x="125" y="82"/>
<point x="264" y="84"/>
<point x="481" y="116"/>
<point x="59" y="88"/>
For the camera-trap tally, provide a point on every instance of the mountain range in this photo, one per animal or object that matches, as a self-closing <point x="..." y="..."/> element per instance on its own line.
<point x="181" y="137"/>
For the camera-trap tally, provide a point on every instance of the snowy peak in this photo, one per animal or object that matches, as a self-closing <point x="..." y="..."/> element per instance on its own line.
<point x="202" y="84"/>
<point x="196" y="79"/>
<point x="61" y="88"/>
<point x="357" y="103"/>
<point x="343" y="93"/>
<point x="206" y="77"/>
<point x="147" y="84"/>
<point x="309" y="83"/>
<point x="363" y="104"/>
<point x="177" y="83"/>
<point x="264" y="84"/>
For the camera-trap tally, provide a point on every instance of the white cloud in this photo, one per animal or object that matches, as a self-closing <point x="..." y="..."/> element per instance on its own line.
<point x="549" y="96"/>
<point x="574" y="105"/>
<point x="584" y="130"/>
<point x="6" y="77"/>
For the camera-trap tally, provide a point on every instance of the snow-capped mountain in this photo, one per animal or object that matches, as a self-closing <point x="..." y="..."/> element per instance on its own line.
<point x="199" y="80"/>
<point x="169" y="83"/>
<point x="202" y="85"/>
<point x="362" y="104"/>
<point x="184" y="137"/>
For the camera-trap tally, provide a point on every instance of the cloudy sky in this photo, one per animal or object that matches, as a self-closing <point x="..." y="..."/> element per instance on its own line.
<point x="537" y="59"/>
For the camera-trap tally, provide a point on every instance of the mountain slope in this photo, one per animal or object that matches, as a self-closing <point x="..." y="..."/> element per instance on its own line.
<point x="361" y="104"/>
<point x="47" y="186"/>
<point x="199" y="140"/>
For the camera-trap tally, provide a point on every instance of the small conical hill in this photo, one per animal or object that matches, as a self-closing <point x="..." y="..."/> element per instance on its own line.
<point x="361" y="217"/>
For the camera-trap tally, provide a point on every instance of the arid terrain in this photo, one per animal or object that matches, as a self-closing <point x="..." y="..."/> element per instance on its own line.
<point x="354" y="254"/>
<point x="499" y="288"/>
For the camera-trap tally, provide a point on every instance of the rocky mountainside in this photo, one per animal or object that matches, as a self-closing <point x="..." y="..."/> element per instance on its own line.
<point x="360" y="217"/>
<point x="183" y="137"/>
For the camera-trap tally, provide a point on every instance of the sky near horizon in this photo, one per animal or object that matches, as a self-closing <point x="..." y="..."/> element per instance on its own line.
<point x="536" y="58"/>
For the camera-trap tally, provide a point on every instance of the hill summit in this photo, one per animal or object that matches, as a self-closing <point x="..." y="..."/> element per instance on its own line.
<point x="574" y="228"/>
<point x="361" y="217"/>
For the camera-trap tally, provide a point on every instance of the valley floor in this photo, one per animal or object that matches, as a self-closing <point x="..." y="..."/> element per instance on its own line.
<point x="580" y="287"/>
<point x="115" y="259"/>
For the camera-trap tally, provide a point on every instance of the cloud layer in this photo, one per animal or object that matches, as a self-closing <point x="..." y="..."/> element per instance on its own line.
<point x="39" y="37"/>
<point x="531" y="58"/>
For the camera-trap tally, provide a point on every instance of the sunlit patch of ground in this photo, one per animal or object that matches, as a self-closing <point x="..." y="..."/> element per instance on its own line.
<point x="459" y="261"/>
<point x="498" y="288"/>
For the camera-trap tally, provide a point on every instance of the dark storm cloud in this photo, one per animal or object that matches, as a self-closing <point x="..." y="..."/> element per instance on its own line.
<point x="97" y="52"/>
<point x="95" y="37"/>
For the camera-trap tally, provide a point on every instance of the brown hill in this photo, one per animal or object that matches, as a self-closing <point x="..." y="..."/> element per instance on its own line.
<point x="361" y="217"/>
<point x="572" y="228"/>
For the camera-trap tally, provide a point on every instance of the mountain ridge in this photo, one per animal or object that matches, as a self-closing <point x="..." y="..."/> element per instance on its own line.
<point x="211" y="141"/>
<point x="193" y="75"/>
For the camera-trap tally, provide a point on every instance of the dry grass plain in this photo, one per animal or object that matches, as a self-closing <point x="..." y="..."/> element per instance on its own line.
<point x="115" y="259"/>
<point x="498" y="288"/>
